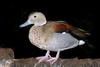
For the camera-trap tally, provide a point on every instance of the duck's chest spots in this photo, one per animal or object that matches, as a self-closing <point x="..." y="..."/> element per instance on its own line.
<point x="36" y="37"/>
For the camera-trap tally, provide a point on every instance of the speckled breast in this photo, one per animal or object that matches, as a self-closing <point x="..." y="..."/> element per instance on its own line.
<point x="36" y="37"/>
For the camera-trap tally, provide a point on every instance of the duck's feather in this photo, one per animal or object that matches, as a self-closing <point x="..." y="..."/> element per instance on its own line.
<point x="60" y="27"/>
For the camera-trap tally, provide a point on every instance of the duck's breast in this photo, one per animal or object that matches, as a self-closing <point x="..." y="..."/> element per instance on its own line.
<point x="36" y="37"/>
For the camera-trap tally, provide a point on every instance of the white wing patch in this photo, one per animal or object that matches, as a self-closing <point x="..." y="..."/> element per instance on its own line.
<point x="63" y="32"/>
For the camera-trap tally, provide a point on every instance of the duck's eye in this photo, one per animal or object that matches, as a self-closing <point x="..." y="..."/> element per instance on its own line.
<point x="34" y="16"/>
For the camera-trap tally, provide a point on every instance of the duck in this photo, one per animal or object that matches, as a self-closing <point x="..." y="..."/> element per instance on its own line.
<point x="53" y="36"/>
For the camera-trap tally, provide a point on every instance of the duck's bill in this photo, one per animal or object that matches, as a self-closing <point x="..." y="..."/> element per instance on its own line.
<point x="25" y="24"/>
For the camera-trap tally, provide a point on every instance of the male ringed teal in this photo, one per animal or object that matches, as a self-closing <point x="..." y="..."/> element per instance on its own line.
<point x="52" y="35"/>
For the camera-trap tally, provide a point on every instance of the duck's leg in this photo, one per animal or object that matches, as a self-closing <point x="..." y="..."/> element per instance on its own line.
<point x="54" y="59"/>
<point x="44" y="58"/>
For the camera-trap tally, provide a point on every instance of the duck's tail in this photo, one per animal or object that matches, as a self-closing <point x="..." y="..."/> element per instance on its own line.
<point x="88" y="47"/>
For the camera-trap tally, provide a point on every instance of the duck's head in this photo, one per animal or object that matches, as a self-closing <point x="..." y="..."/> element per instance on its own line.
<point x="36" y="18"/>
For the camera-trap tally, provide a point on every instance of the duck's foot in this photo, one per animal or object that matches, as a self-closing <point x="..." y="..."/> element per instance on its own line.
<point x="53" y="59"/>
<point x="44" y="58"/>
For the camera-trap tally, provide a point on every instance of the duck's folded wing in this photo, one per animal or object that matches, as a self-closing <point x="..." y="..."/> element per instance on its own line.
<point x="79" y="32"/>
<point x="62" y="27"/>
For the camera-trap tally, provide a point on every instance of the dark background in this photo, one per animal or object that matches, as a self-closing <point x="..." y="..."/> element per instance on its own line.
<point x="84" y="15"/>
